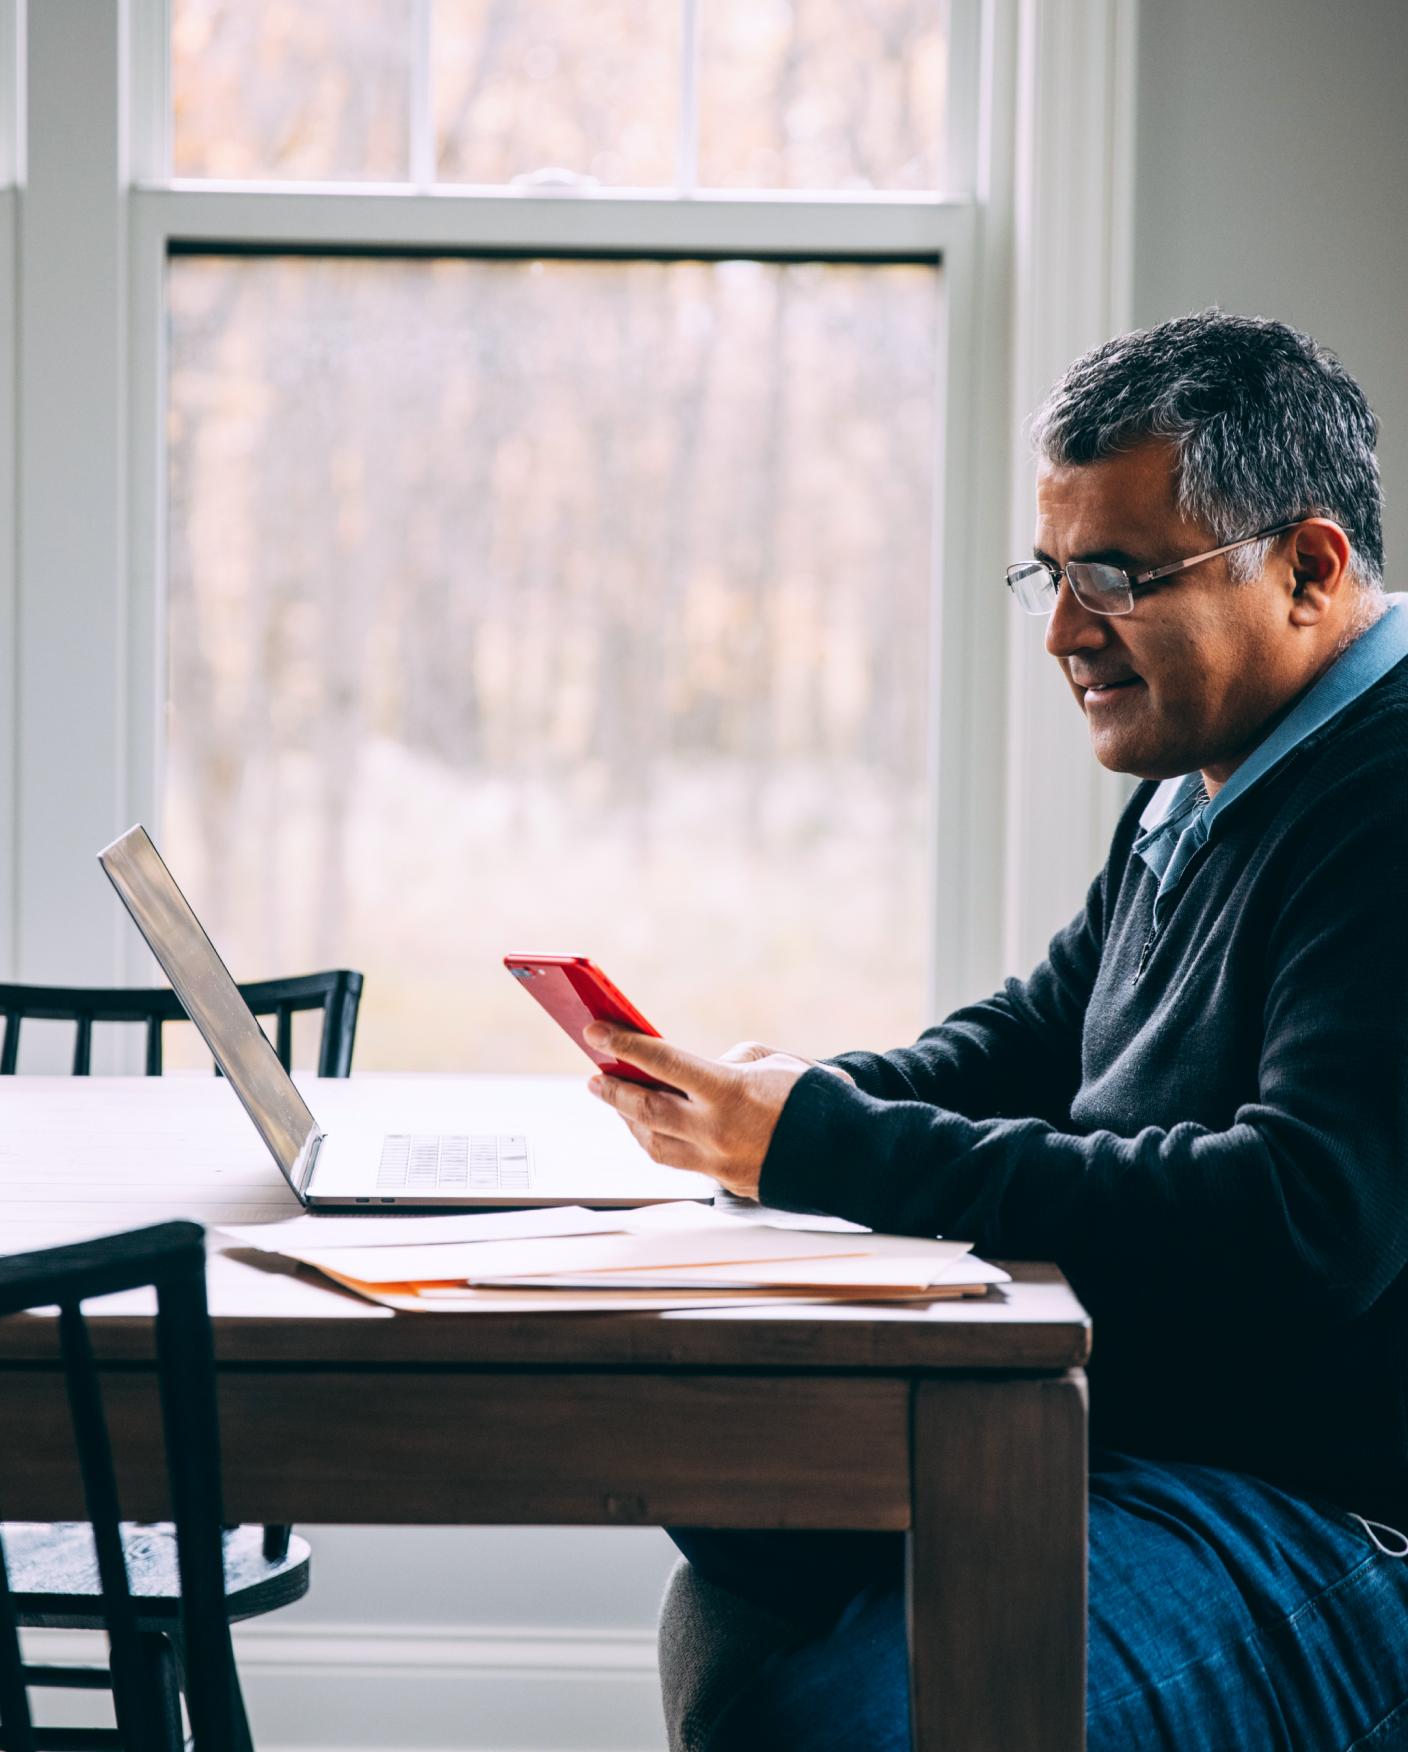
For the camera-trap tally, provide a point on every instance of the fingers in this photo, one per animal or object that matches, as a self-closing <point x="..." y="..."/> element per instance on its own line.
<point x="646" y="1110"/>
<point x="748" y="1052"/>
<point x="745" y="1052"/>
<point x="659" y="1122"/>
<point x="670" y="1152"/>
<point x="671" y="1063"/>
<point x="721" y="1124"/>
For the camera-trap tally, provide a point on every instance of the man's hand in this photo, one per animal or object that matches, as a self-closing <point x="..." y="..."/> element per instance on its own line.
<point x="748" y="1050"/>
<point x="722" y="1124"/>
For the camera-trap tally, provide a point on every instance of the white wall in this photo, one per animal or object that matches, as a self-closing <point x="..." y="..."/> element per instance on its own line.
<point x="1272" y="178"/>
<point x="506" y="1639"/>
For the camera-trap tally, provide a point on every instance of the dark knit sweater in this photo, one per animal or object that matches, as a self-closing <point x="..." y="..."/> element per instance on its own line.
<point x="1215" y="1152"/>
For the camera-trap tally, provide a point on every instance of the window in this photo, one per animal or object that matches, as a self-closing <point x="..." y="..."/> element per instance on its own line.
<point x="550" y="564"/>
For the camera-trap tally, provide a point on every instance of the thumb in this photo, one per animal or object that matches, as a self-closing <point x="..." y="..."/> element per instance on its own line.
<point x="696" y="1076"/>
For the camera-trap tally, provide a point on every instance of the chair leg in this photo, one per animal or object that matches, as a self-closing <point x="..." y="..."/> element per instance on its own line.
<point x="163" y="1674"/>
<point x="276" y="1543"/>
<point x="239" y="1721"/>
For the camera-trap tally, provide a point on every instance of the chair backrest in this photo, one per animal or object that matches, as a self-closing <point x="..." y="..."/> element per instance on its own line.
<point x="337" y="994"/>
<point x="170" y="1256"/>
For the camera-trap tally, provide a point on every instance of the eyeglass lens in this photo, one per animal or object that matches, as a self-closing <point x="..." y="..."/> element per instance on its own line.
<point x="1101" y="589"/>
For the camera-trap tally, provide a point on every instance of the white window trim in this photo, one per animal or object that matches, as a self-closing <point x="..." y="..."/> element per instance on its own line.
<point x="69" y="411"/>
<point x="12" y="132"/>
<point x="9" y="656"/>
<point x="98" y="627"/>
<point x="1072" y="233"/>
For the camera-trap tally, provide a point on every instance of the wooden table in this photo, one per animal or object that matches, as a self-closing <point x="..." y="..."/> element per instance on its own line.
<point x="962" y="1423"/>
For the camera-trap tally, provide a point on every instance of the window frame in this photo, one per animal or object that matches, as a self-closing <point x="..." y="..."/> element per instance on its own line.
<point x="12" y="134"/>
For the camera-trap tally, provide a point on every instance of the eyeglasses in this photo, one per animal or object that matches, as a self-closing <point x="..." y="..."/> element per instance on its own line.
<point x="1107" y="589"/>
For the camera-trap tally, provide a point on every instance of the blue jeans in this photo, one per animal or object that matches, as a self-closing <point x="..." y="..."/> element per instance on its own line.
<point x="1225" y="1614"/>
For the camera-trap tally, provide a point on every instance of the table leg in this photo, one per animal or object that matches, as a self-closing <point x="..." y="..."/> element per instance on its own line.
<point x="997" y="1565"/>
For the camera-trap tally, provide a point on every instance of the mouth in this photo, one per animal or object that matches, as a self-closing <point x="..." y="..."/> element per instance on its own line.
<point x="1095" y="693"/>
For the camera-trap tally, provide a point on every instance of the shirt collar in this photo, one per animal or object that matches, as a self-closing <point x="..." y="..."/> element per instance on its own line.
<point x="1178" y="808"/>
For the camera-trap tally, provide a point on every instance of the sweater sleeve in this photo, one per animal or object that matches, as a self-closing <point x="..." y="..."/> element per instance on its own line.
<point x="1296" y="1207"/>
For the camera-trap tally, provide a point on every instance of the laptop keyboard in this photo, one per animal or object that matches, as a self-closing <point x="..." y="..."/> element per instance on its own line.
<point x="453" y="1162"/>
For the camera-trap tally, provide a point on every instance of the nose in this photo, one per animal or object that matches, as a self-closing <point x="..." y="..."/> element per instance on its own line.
<point x="1071" y="627"/>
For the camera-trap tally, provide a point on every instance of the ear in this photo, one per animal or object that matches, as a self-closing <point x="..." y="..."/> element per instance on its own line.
<point x="1319" y="560"/>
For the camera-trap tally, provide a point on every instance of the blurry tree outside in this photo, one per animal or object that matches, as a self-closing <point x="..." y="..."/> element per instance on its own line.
<point x="556" y="605"/>
<point x="792" y="94"/>
<point x="309" y="89"/>
<point x="822" y="94"/>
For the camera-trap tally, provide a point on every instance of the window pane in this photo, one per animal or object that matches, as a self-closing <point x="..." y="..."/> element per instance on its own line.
<point x="589" y="87"/>
<point x="823" y="94"/>
<point x="314" y="89"/>
<point x="556" y="606"/>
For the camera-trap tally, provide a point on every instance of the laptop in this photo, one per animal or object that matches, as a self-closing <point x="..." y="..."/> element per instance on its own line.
<point x="413" y="1168"/>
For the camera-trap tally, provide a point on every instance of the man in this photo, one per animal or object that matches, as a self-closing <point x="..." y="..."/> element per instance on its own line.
<point x="1197" y="1105"/>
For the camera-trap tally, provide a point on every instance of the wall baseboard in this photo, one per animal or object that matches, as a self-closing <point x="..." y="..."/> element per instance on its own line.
<point x="422" y="1688"/>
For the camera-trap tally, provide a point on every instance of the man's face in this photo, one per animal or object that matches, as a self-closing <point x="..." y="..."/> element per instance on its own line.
<point x="1195" y="674"/>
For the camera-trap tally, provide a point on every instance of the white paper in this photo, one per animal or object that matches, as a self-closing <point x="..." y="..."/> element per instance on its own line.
<point x="722" y="1243"/>
<point x="671" y="1219"/>
<point x="748" y="1210"/>
<point x="868" y="1272"/>
<point x="807" y="1222"/>
<point x="467" y="1301"/>
<point x="977" y="1271"/>
<point x="328" y="1232"/>
<point x="655" y="1219"/>
<point x="880" y="1262"/>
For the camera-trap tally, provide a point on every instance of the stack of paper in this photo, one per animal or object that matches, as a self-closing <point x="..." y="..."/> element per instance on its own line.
<point x="662" y="1256"/>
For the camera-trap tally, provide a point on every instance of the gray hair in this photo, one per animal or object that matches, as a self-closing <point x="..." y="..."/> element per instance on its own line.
<point x="1267" y="427"/>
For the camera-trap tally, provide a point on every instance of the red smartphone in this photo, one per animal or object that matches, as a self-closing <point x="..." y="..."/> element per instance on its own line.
<point x="574" y="991"/>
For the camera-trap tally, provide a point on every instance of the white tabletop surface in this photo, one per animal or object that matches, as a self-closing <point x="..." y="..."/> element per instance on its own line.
<point x="85" y="1156"/>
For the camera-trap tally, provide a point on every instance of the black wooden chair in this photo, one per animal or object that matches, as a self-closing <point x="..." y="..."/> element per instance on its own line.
<point x="52" y="1567"/>
<point x="152" y="1655"/>
<point x="336" y="994"/>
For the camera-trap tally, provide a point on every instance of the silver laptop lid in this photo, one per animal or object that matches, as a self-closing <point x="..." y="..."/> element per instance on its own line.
<point x="212" y="1000"/>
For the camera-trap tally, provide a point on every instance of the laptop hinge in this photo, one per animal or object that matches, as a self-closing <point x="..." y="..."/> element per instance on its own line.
<point x="306" y="1161"/>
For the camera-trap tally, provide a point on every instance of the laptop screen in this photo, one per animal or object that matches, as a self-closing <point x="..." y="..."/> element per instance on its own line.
<point x="212" y="1000"/>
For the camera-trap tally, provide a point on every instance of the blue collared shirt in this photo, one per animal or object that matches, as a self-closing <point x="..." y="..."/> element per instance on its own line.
<point x="1178" y="819"/>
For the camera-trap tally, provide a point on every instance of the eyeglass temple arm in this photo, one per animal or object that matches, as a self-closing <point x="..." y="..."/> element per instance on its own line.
<point x="1212" y="553"/>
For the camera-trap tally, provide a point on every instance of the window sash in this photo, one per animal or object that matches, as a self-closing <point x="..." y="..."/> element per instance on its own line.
<point x="462" y="222"/>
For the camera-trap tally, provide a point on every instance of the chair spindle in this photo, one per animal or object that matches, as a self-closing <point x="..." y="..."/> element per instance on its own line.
<point x="186" y="1347"/>
<point x="131" y="1696"/>
<point x="17" y="1723"/>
